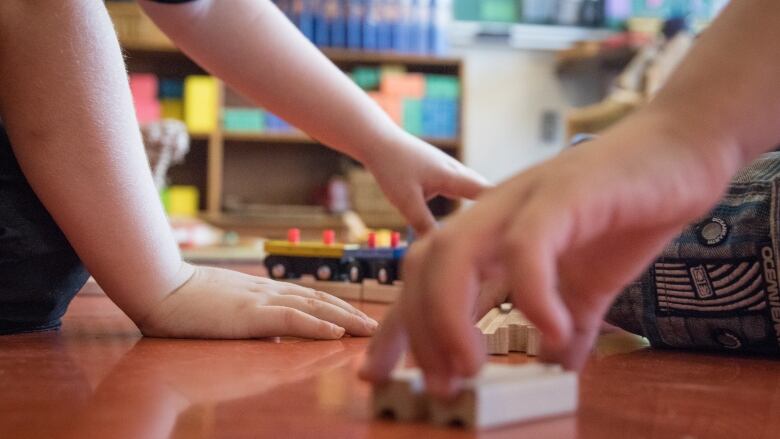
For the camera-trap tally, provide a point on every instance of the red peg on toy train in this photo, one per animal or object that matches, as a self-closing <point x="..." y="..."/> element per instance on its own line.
<point x="395" y="239"/>
<point x="329" y="237"/>
<point x="371" y="241"/>
<point x="294" y="236"/>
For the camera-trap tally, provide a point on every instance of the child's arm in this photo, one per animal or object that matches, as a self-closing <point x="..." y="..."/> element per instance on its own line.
<point x="256" y="50"/>
<point x="66" y="104"/>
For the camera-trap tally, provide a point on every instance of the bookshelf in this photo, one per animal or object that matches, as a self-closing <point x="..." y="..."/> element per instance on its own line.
<point x="276" y="173"/>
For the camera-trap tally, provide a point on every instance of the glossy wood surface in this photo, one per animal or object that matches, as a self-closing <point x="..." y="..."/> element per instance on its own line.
<point x="98" y="378"/>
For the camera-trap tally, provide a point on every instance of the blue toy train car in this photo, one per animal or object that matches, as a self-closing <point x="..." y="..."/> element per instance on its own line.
<point x="330" y="261"/>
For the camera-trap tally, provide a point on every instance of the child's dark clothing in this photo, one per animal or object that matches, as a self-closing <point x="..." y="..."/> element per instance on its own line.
<point x="39" y="271"/>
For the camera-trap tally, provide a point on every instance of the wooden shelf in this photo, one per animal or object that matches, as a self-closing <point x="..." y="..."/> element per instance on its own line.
<point x="301" y="138"/>
<point x="593" y="56"/>
<point x="199" y="136"/>
<point x="339" y="56"/>
<point x="227" y="162"/>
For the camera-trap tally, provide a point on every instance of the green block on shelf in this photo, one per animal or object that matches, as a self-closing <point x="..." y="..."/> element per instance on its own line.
<point x="498" y="10"/>
<point x="244" y="119"/>
<point x="467" y="10"/>
<point x="413" y="116"/>
<point x="442" y="86"/>
<point x="366" y="78"/>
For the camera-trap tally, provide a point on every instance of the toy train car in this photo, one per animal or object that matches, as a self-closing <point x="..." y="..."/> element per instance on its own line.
<point x="331" y="261"/>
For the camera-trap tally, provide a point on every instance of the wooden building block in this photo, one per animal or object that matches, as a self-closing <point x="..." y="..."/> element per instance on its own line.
<point x="504" y="394"/>
<point x="499" y="395"/>
<point x="534" y="341"/>
<point x="373" y="291"/>
<point x="342" y="290"/>
<point x="507" y="330"/>
<point x="496" y="335"/>
<point x="402" y="397"/>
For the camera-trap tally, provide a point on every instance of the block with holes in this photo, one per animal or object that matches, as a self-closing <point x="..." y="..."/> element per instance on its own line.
<point x="499" y="395"/>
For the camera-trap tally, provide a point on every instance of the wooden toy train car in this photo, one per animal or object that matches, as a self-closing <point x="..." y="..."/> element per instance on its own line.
<point x="331" y="261"/>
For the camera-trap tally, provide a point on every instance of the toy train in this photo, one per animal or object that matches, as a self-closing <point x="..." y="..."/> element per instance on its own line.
<point x="331" y="261"/>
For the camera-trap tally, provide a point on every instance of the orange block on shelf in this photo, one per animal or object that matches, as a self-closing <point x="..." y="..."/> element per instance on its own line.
<point x="393" y="105"/>
<point x="410" y="85"/>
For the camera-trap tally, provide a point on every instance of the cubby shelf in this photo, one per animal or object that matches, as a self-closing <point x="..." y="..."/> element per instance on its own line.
<point x="222" y="162"/>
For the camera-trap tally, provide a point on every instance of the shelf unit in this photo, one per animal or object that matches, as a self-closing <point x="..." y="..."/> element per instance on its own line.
<point x="218" y="161"/>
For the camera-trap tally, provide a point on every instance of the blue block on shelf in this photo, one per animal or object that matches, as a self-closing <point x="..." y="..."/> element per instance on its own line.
<point x="276" y="123"/>
<point x="171" y="89"/>
<point x="440" y="118"/>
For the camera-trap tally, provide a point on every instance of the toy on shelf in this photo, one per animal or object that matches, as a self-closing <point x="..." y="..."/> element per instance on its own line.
<point x="499" y="395"/>
<point x="507" y="330"/>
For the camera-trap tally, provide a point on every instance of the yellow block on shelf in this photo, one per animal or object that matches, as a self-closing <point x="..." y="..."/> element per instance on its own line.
<point x="182" y="201"/>
<point x="172" y="109"/>
<point x="200" y="103"/>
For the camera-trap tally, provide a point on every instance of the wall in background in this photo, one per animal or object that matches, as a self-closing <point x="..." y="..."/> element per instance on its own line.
<point x="507" y="92"/>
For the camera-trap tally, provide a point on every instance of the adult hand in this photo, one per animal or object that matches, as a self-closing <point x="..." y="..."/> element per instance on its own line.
<point x="566" y="235"/>
<point x="218" y="303"/>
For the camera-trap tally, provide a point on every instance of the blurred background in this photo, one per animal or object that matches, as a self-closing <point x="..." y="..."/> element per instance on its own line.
<point x="498" y="84"/>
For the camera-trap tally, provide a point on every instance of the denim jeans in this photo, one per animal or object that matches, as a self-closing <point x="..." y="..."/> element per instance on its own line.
<point x="715" y="286"/>
<point x="39" y="271"/>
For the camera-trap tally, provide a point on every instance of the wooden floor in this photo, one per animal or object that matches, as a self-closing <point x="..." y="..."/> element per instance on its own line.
<point x="97" y="378"/>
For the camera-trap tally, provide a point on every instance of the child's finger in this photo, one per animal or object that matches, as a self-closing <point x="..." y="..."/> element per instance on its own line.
<point x="278" y="321"/>
<point x="325" y="297"/>
<point x="353" y="324"/>
<point x="415" y="210"/>
<point x="467" y="183"/>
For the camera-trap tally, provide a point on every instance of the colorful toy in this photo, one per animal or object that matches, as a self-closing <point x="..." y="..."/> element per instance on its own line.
<point x="331" y="261"/>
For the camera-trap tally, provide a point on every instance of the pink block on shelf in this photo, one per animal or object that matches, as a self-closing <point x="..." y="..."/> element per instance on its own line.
<point x="143" y="86"/>
<point x="147" y="111"/>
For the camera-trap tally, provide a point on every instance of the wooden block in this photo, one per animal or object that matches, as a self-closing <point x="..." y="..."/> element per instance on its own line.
<point x="504" y="394"/>
<point x="499" y="395"/>
<point x="373" y="291"/>
<point x="342" y="290"/>
<point x="534" y="341"/>
<point x="507" y="330"/>
<point x="496" y="334"/>
<point x="401" y="398"/>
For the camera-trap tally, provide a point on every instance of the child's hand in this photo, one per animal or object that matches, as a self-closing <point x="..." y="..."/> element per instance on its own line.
<point x="411" y="172"/>
<point x="218" y="303"/>
<point x="567" y="235"/>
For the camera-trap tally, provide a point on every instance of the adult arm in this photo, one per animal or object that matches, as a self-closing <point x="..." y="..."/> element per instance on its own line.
<point x="567" y="235"/>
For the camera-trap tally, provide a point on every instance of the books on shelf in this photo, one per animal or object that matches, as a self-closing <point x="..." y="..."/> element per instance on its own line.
<point x="405" y="26"/>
